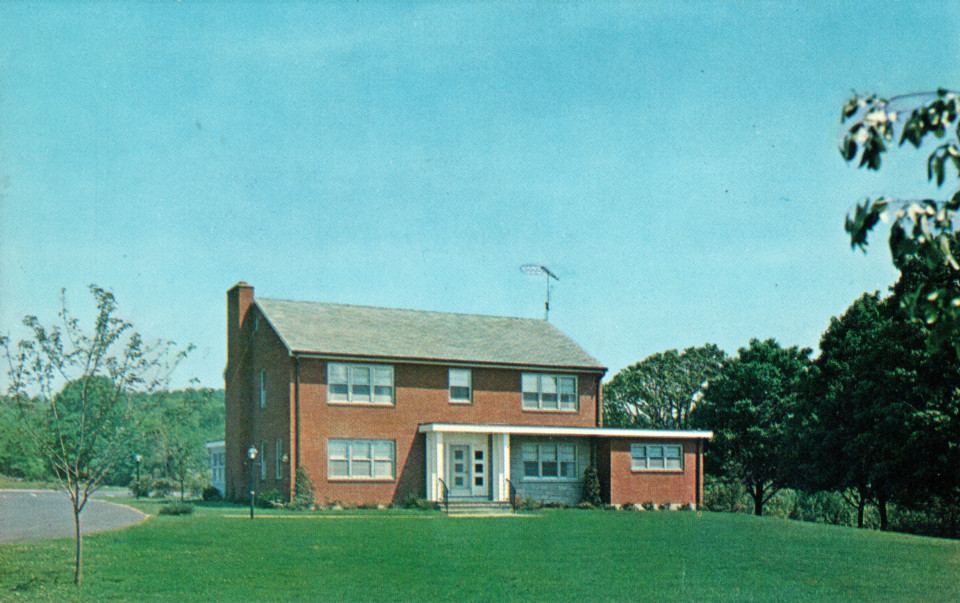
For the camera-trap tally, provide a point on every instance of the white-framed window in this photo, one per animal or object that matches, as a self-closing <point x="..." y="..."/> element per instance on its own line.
<point x="647" y="457"/>
<point x="263" y="459"/>
<point x="461" y="388"/>
<point x="262" y="388"/>
<point x="549" y="392"/>
<point x="549" y="461"/>
<point x="361" y="459"/>
<point x="278" y="460"/>
<point x="359" y="383"/>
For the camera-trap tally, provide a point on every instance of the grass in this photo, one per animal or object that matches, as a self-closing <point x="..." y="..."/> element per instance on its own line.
<point x="557" y="555"/>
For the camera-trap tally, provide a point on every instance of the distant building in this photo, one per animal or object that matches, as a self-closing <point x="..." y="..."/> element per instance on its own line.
<point x="215" y="450"/>
<point x="379" y="404"/>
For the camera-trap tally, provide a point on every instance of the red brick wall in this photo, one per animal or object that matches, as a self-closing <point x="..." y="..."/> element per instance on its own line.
<point x="246" y="422"/>
<point x="660" y="487"/>
<point x="421" y="396"/>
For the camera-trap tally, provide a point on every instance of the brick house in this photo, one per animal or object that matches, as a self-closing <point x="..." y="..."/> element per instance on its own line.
<point x="377" y="404"/>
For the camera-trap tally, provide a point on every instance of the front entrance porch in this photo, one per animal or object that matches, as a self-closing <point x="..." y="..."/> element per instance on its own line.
<point x="468" y="466"/>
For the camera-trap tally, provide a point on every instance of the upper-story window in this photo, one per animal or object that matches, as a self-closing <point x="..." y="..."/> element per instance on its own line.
<point x="461" y="388"/>
<point x="360" y="383"/>
<point x="549" y="392"/>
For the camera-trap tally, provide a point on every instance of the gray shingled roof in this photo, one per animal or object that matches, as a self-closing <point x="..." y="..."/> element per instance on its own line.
<point x="339" y="329"/>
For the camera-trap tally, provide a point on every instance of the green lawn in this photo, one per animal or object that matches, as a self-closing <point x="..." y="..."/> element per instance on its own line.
<point x="555" y="555"/>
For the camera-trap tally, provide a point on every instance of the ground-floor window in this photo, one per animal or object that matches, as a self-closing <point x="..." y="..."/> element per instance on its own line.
<point x="361" y="459"/>
<point x="549" y="461"/>
<point x="645" y="457"/>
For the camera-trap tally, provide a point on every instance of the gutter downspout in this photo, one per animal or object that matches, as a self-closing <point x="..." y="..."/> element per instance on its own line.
<point x="699" y="476"/>
<point x="296" y="413"/>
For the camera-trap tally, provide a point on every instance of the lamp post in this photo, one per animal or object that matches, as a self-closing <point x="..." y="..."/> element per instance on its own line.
<point x="138" y="458"/>
<point x="252" y="453"/>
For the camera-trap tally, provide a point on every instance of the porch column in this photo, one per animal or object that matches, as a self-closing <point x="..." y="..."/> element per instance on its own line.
<point x="500" y="464"/>
<point x="435" y="464"/>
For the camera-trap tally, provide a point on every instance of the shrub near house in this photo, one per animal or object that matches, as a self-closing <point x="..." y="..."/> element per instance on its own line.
<point x="378" y="404"/>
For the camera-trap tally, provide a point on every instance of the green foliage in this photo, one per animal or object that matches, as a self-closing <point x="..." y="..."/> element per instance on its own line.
<point x="303" y="490"/>
<point x="176" y="508"/>
<point x="922" y="230"/>
<point x="748" y="406"/>
<point x="591" y="486"/>
<point x="211" y="494"/>
<point x="143" y="487"/>
<point x="268" y="499"/>
<point x="162" y="487"/>
<point x="723" y="495"/>
<point x="661" y="391"/>
<point x="83" y="430"/>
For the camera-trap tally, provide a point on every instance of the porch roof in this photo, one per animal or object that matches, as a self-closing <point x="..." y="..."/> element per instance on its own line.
<point x="602" y="432"/>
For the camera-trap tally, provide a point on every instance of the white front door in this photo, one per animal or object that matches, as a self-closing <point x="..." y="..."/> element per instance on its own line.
<point x="459" y="470"/>
<point x="467" y="470"/>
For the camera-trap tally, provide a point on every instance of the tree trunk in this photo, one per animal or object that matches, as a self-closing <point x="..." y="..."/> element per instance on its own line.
<point x="76" y="524"/>
<point x="757" y="495"/>
<point x="861" y="505"/>
<point x="882" y="508"/>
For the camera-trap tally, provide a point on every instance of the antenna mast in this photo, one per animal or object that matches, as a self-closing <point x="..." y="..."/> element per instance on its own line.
<point x="537" y="269"/>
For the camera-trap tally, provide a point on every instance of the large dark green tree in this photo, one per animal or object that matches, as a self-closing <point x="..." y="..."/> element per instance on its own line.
<point x="661" y="391"/>
<point x="749" y="407"/>
<point x="862" y="397"/>
<point x="80" y="397"/>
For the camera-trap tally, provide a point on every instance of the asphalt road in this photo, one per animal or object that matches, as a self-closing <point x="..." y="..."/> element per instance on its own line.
<point x="28" y="515"/>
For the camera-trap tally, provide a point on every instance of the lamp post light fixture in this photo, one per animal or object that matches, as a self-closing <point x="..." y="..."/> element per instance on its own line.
<point x="252" y="453"/>
<point x="138" y="458"/>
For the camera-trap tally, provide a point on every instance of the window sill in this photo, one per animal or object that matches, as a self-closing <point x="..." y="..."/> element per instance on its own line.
<point x="551" y="480"/>
<point x="364" y="404"/>
<point x="461" y="402"/>
<point x="677" y="471"/>
<point x="368" y="480"/>
<point x="551" y="410"/>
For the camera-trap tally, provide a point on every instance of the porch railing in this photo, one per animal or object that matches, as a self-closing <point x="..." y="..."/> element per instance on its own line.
<point x="445" y="493"/>
<point x="513" y="494"/>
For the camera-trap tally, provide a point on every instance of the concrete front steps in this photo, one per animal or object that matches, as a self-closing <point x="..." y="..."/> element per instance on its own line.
<point x="476" y="508"/>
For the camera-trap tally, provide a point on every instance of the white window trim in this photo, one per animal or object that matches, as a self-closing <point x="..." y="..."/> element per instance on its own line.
<point x="263" y="388"/>
<point x="539" y="407"/>
<point x="550" y="478"/>
<point x="373" y="460"/>
<point x="372" y="368"/>
<point x="635" y="459"/>
<point x="263" y="460"/>
<point x="469" y="399"/>
<point x="278" y="463"/>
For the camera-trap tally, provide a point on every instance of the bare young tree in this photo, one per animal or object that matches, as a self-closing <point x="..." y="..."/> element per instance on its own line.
<point x="107" y="383"/>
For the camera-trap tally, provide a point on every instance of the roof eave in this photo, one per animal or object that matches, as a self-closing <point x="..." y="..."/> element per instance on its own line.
<point x="449" y="361"/>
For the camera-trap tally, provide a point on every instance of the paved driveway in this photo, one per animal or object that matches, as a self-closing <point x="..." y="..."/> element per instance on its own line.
<point x="27" y="515"/>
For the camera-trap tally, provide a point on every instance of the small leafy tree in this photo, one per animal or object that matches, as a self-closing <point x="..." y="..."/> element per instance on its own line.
<point x="749" y="406"/>
<point x="107" y="376"/>
<point x="662" y="390"/>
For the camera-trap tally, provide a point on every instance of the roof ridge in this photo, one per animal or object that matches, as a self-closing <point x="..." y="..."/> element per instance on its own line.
<point x="364" y="306"/>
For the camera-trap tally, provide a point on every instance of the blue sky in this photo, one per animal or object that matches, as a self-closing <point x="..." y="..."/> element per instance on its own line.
<point x="674" y="164"/>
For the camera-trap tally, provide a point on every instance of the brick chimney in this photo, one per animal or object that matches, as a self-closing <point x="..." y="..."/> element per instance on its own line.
<point x="238" y="425"/>
<point x="239" y="299"/>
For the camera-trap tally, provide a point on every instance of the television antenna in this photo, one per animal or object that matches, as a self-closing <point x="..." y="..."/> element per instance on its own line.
<point x="536" y="270"/>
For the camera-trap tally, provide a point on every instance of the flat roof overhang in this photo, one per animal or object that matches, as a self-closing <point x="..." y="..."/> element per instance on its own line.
<point x="602" y="432"/>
